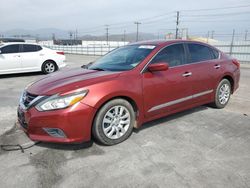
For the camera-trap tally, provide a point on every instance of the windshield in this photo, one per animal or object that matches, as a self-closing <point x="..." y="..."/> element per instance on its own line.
<point x="123" y="58"/>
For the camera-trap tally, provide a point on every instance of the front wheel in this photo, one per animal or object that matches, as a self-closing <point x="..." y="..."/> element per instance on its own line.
<point x="49" y="67"/>
<point x="223" y="93"/>
<point x="114" y="122"/>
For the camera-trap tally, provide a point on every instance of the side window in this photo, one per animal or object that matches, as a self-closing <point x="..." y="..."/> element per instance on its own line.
<point x="199" y="52"/>
<point x="39" y="48"/>
<point x="10" y="49"/>
<point x="174" y="55"/>
<point x="30" y="48"/>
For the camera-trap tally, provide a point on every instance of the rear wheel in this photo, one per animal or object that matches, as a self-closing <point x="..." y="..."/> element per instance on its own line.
<point x="223" y="93"/>
<point x="49" y="67"/>
<point x="114" y="122"/>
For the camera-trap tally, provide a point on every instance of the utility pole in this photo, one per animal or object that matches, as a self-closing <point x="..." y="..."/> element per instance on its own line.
<point x="212" y="35"/>
<point x="208" y="33"/>
<point x="76" y="34"/>
<point x="53" y="36"/>
<point x="246" y="33"/>
<point x="124" y="36"/>
<point x="137" y="30"/>
<point x="232" y="43"/>
<point x="37" y="37"/>
<point x="107" y="33"/>
<point x="70" y="36"/>
<point x="177" y="24"/>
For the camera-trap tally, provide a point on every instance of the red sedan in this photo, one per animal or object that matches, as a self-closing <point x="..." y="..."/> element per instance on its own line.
<point x="131" y="85"/>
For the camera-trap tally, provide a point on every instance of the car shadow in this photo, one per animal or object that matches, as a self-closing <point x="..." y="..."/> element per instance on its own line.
<point x="170" y="117"/>
<point x="63" y="146"/>
<point x="21" y="75"/>
<point x="86" y="145"/>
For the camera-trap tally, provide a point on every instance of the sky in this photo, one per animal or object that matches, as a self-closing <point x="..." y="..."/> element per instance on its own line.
<point x="156" y="16"/>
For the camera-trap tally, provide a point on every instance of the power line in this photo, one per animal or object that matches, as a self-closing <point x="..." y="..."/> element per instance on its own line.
<point x="218" y="8"/>
<point x="220" y="14"/>
<point x="168" y="15"/>
<point x="125" y="23"/>
<point x="155" y="22"/>
<point x="157" y="16"/>
<point x="221" y="21"/>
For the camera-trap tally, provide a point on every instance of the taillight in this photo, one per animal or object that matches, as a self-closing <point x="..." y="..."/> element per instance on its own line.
<point x="61" y="53"/>
<point x="236" y="62"/>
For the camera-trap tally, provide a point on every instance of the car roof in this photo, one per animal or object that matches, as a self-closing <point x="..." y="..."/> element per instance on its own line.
<point x="10" y="43"/>
<point x="165" y="42"/>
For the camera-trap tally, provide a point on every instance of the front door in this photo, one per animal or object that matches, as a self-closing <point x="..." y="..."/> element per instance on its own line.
<point x="169" y="90"/>
<point x="10" y="59"/>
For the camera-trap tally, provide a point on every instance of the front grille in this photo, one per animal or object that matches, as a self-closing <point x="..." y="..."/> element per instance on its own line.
<point x="27" y="98"/>
<point x="21" y="119"/>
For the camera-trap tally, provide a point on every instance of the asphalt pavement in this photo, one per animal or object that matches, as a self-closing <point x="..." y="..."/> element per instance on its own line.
<point x="200" y="147"/>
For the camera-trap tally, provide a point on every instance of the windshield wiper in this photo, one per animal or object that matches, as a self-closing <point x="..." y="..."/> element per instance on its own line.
<point x="98" y="69"/>
<point x="86" y="66"/>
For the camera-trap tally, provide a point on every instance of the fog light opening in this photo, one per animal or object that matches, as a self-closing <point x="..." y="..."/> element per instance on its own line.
<point x="55" y="132"/>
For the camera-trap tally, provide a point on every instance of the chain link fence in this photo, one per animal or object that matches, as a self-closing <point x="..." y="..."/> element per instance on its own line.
<point x="237" y="49"/>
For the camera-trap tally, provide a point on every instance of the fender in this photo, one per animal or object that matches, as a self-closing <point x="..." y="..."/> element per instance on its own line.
<point x="104" y="92"/>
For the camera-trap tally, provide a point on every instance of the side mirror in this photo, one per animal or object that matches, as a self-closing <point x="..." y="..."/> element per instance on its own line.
<point x="0" y="52"/>
<point x="158" y="67"/>
<point x="86" y="66"/>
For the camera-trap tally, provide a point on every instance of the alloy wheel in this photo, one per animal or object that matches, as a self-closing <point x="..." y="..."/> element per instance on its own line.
<point x="116" y="122"/>
<point x="224" y="93"/>
<point x="50" y="67"/>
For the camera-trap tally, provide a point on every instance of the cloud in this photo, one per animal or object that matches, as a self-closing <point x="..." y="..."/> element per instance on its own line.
<point x="69" y="14"/>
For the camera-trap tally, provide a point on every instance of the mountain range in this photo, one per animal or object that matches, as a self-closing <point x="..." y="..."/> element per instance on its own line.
<point x="49" y="33"/>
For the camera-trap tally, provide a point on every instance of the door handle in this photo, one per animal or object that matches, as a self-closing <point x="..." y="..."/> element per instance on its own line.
<point x="16" y="56"/>
<point x="187" y="74"/>
<point x="41" y="54"/>
<point x="216" y="66"/>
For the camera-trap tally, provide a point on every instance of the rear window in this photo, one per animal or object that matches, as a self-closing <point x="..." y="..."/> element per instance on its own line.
<point x="14" y="48"/>
<point x="215" y="53"/>
<point x="31" y="48"/>
<point x="200" y="52"/>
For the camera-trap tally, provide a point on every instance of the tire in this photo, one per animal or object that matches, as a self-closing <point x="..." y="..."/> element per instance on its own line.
<point x="223" y="93"/>
<point x="49" y="67"/>
<point x="114" y="122"/>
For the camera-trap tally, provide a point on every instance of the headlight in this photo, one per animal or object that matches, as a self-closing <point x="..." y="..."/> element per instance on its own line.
<point x="59" y="102"/>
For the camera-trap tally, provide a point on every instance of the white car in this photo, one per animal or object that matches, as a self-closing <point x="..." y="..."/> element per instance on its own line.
<point x="24" y="57"/>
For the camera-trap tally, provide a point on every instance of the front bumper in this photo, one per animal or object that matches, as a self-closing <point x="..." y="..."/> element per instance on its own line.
<point x="75" y="122"/>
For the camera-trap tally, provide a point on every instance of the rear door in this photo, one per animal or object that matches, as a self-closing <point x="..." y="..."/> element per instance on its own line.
<point x="205" y="70"/>
<point x="30" y="57"/>
<point x="10" y="59"/>
<point x="169" y="90"/>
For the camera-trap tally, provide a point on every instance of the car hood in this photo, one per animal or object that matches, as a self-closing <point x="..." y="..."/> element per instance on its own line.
<point x="68" y="80"/>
